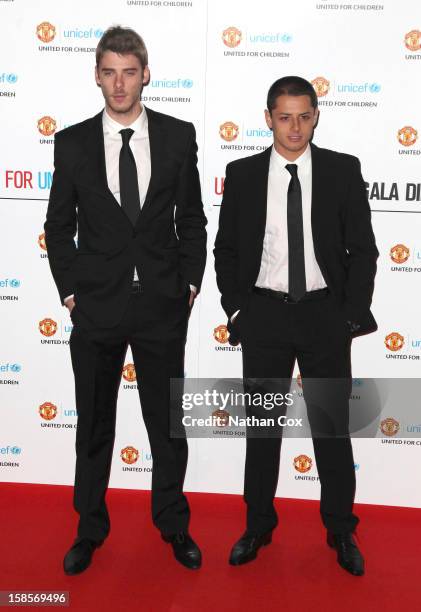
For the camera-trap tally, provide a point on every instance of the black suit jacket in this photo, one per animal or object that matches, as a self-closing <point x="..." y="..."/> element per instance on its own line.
<point x="343" y="238"/>
<point x="168" y="243"/>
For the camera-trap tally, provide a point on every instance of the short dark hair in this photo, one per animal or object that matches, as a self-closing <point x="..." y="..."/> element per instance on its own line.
<point x="290" y="86"/>
<point x="123" y="41"/>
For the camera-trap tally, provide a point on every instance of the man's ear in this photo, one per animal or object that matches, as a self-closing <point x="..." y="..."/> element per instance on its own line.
<point x="268" y="118"/>
<point x="146" y="75"/>
<point x="97" y="77"/>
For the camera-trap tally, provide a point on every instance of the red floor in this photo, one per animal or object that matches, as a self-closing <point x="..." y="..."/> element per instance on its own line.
<point x="135" y="570"/>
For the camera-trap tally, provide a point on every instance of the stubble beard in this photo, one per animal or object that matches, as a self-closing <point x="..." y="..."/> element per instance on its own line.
<point x="126" y="110"/>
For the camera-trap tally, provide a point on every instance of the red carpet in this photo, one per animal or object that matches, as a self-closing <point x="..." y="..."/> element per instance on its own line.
<point x="135" y="570"/>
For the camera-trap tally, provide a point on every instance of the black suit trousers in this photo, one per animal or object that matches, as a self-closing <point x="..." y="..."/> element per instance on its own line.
<point x="274" y="334"/>
<point x="155" y="327"/>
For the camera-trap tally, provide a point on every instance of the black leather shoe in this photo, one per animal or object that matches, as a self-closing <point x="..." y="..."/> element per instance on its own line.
<point x="79" y="557"/>
<point x="349" y="556"/>
<point x="186" y="551"/>
<point x="246" y="548"/>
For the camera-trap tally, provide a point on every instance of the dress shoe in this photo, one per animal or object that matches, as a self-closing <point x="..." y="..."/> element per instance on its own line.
<point x="246" y="548"/>
<point x="186" y="551"/>
<point x="79" y="557"/>
<point x="349" y="556"/>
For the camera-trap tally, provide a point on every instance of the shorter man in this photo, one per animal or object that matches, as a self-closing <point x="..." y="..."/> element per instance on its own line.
<point x="295" y="259"/>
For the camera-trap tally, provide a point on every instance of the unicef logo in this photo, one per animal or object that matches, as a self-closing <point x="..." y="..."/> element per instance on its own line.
<point x="187" y="83"/>
<point x="98" y="33"/>
<point x="15" y="367"/>
<point x="286" y="38"/>
<point x="15" y="450"/>
<point x="11" y="78"/>
<point x="15" y="283"/>
<point x="375" y="88"/>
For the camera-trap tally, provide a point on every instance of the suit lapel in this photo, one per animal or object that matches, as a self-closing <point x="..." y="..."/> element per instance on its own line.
<point x="95" y="164"/>
<point x="98" y="149"/>
<point x="319" y="187"/>
<point x="96" y="156"/>
<point x="319" y="203"/>
<point x="258" y="192"/>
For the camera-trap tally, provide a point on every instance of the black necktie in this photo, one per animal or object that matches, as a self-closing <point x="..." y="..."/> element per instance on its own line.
<point x="129" y="186"/>
<point x="296" y="264"/>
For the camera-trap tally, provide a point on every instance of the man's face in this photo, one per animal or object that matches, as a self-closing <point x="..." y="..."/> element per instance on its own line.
<point x="292" y="120"/>
<point x="121" y="78"/>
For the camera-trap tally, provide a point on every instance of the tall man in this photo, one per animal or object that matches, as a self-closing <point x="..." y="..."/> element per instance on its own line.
<point x="295" y="259"/>
<point x="126" y="181"/>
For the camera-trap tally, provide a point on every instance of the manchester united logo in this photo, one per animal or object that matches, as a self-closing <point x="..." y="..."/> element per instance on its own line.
<point x="228" y="131"/>
<point x="46" y="32"/>
<point x="221" y="418"/>
<point x="48" y="411"/>
<point x="47" y="327"/>
<point x="232" y="37"/>
<point x="220" y="334"/>
<point x="399" y="253"/>
<point x="389" y="427"/>
<point x="47" y="126"/>
<point x="303" y="464"/>
<point x="394" y="341"/>
<point x="41" y="242"/>
<point x="321" y="86"/>
<point x="129" y="372"/>
<point x="413" y="40"/>
<point x="129" y="455"/>
<point x="407" y="136"/>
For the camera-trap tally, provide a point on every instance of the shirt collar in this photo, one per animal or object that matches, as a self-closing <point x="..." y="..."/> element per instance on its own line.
<point x="302" y="161"/>
<point x="139" y="125"/>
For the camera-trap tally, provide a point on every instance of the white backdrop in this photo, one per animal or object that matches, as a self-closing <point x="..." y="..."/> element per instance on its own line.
<point x="367" y="66"/>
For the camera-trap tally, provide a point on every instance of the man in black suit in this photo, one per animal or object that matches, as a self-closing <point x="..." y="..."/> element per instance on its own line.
<point x="126" y="181"/>
<point x="295" y="259"/>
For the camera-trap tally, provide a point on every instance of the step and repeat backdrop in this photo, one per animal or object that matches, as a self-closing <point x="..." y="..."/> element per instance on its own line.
<point x="211" y="63"/>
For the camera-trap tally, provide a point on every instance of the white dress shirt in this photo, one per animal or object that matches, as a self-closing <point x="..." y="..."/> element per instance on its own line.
<point x="273" y="272"/>
<point x="139" y="144"/>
